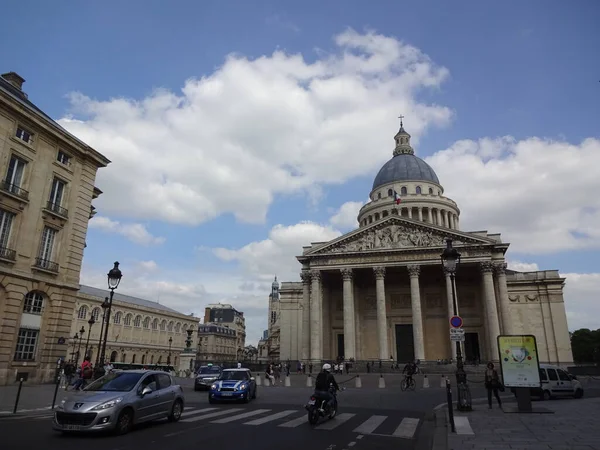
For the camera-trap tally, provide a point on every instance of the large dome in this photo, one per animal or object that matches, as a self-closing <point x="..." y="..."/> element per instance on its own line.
<point x="405" y="167"/>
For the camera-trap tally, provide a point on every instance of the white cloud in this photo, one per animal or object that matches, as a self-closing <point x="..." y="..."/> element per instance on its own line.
<point x="541" y="194"/>
<point x="148" y="266"/>
<point x="522" y="266"/>
<point x="346" y="217"/>
<point x="135" y="232"/>
<point x="581" y="299"/>
<point x="273" y="125"/>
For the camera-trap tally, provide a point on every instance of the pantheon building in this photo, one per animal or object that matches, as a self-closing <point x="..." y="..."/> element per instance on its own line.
<point x="380" y="292"/>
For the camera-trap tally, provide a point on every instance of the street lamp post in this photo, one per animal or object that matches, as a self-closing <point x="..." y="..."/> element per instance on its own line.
<point x="114" y="278"/>
<point x="91" y="323"/>
<point x="450" y="259"/>
<point x="75" y="338"/>
<point x="81" y="333"/>
<point x="169" y="355"/>
<point x="104" y="305"/>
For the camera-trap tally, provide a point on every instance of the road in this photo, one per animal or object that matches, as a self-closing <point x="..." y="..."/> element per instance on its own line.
<point x="369" y="418"/>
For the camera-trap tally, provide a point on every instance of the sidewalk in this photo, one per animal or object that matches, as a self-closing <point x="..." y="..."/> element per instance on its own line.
<point x="573" y="426"/>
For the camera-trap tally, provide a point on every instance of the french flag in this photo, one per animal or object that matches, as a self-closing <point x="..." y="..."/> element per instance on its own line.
<point x="397" y="198"/>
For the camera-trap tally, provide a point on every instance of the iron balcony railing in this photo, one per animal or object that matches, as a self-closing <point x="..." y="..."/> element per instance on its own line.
<point x="7" y="253"/>
<point x="13" y="189"/>
<point x="57" y="209"/>
<point x="46" y="264"/>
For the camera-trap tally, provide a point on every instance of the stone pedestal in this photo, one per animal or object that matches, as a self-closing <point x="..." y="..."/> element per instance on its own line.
<point x="186" y="364"/>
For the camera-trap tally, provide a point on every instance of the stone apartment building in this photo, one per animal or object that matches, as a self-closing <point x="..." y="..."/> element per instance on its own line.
<point x="216" y="343"/>
<point x="46" y="194"/>
<point x="226" y="315"/>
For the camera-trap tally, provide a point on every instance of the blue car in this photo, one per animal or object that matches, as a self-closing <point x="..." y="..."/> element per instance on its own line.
<point x="233" y="384"/>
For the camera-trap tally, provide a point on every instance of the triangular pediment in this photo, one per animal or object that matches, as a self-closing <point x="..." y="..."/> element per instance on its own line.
<point x="393" y="233"/>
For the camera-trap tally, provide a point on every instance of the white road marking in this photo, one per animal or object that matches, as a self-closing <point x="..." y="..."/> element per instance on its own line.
<point x="370" y="425"/>
<point x="241" y="416"/>
<point x="407" y="428"/>
<point x="360" y="436"/>
<point x="198" y="411"/>
<point x="271" y="418"/>
<point x="294" y="423"/>
<point x="352" y="444"/>
<point x="462" y="425"/>
<point x="335" y="422"/>
<point x="210" y="415"/>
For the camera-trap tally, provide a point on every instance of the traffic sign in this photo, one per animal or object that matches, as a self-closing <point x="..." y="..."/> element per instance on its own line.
<point x="457" y="337"/>
<point x="456" y="321"/>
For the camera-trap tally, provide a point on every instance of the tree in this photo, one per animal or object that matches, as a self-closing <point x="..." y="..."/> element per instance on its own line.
<point x="585" y="344"/>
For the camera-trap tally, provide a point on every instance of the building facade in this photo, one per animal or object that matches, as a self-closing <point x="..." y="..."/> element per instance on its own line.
<point x="272" y="342"/>
<point x="217" y="343"/>
<point x="139" y="330"/>
<point x="46" y="198"/>
<point x="227" y="315"/>
<point x="380" y="292"/>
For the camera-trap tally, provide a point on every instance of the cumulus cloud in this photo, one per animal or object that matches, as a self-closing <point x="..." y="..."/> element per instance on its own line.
<point x="345" y="217"/>
<point x="541" y="194"/>
<point x="522" y="266"/>
<point x="581" y="298"/>
<point x="135" y="232"/>
<point x="275" y="124"/>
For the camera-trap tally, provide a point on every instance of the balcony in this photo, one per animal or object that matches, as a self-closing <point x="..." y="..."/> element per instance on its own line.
<point x="55" y="208"/>
<point x="46" y="265"/>
<point x="8" y="254"/>
<point x="14" y="190"/>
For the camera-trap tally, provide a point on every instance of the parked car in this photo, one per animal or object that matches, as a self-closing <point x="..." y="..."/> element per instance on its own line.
<point x="233" y="384"/>
<point x="206" y="376"/>
<point x="556" y="382"/>
<point x="120" y="400"/>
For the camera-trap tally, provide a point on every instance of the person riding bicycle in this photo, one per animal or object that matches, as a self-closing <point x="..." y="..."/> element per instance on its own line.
<point x="324" y="380"/>
<point x="409" y="369"/>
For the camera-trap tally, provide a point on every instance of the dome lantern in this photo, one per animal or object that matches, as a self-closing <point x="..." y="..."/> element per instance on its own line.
<point x="402" y="139"/>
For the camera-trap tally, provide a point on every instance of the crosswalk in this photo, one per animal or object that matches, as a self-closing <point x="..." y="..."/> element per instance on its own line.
<point x="293" y="418"/>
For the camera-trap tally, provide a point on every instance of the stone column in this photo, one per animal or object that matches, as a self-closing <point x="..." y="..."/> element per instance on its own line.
<point x="450" y="309"/>
<point x="420" y="214"/>
<point x="381" y="313"/>
<point x="439" y="218"/>
<point x="417" y="315"/>
<point x="503" y="302"/>
<point x="487" y="269"/>
<point x="305" y="344"/>
<point x="410" y="212"/>
<point x="316" y="325"/>
<point x="349" y="325"/>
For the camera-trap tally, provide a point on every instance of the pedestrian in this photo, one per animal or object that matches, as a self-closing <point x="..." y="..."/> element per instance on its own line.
<point x="493" y="384"/>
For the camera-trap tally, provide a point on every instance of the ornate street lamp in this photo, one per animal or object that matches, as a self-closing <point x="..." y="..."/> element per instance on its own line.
<point x="104" y="305"/>
<point x="114" y="278"/>
<point x="81" y="333"/>
<point x="91" y="323"/>
<point x="169" y="355"/>
<point x="450" y="260"/>
<point x="75" y="338"/>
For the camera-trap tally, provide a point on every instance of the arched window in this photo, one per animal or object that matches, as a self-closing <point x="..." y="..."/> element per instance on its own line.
<point x="155" y="324"/>
<point x="133" y="359"/>
<point x="147" y="322"/>
<point x="96" y="313"/>
<point x="33" y="303"/>
<point x="160" y="358"/>
<point x="430" y="191"/>
<point x="273" y="316"/>
<point x="170" y="326"/>
<point x="376" y="216"/>
<point x="138" y="321"/>
<point x="177" y="328"/>
<point x="151" y="359"/>
<point x="403" y="190"/>
<point x="127" y="320"/>
<point x="143" y="359"/>
<point x="418" y="189"/>
<point x="163" y="325"/>
<point x="82" y="313"/>
<point x="385" y="214"/>
<point x="123" y="357"/>
<point x="379" y="195"/>
<point x="113" y="357"/>
<point x="390" y="192"/>
<point x="118" y="317"/>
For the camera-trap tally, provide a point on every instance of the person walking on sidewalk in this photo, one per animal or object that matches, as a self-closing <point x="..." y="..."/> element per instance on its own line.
<point x="86" y="374"/>
<point x="492" y="384"/>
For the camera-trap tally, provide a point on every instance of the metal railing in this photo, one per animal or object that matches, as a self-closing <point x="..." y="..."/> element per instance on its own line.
<point x="57" y="209"/>
<point x="7" y="253"/>
<point x="46" y="264"/>
<point x="13" y="189"/>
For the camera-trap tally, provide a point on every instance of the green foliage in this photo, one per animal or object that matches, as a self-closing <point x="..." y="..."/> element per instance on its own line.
<point x="586" y="346"/>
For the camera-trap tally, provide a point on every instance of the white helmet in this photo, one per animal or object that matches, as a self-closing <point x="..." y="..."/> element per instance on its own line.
<point x="326" y="367"/>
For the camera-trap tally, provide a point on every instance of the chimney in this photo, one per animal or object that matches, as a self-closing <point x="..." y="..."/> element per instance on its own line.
<point x="14" y="78"/>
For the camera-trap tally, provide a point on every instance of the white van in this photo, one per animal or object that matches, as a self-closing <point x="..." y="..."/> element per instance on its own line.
<point x="557" y="383"/>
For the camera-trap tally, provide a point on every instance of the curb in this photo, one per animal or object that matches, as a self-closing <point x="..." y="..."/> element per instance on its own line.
<point x="440" y="432"/>
<point x="21" y="411"/>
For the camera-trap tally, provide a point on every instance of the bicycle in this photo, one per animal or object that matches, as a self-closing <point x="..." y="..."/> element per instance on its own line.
<point x="408" y="383"/>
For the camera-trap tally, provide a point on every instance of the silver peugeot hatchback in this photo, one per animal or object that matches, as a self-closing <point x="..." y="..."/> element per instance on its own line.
<point x="119" y="400"/>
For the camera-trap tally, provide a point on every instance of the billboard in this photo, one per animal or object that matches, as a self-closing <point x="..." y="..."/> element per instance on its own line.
<point x="519" y="361"/>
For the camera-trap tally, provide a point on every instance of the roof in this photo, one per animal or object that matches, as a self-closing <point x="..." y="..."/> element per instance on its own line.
<point x="405" y="167"/>
<point x="101" y="293"/>
<point x="243" y="369"/>
<point x="22" y="99"/>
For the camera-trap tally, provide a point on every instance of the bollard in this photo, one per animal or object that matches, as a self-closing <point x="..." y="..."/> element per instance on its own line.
<point x="450" y="406"/>
<point x="55" y="390"/>
<point x="267" y="381"/>
<point x="381" y="381"/>
<point x="425" y="382"/>
<point x="309" y="381"/>
<point x="18" y="396"/>
<point x="358" y="381"/>
<point x="443" y="382"/>
<point x="258" y="380"/>
<point x="288" y="383"/>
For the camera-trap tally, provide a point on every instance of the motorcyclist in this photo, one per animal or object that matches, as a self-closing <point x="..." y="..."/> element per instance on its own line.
<point x="324" y="380"/>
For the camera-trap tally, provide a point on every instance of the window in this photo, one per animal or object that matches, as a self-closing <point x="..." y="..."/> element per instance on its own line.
<point x="552" y="375"/>
<point x="63" y="158"/>
<point x="379" y="195"/>
<point x="57" y="192"/>
<point x="82" y="314"/>
<point x="47" y="246"/>
<point x="6" y="220"/>
<point x="127" y="321"/>
<point x="390" y="192"/>
<point x="563" y="376"/>
<point x="430" y="191"/>
<point x="403" y="190"/>
<point x="163" y="325"/>
<point x="14" y="175"/>
<point x="138" y="321"/>
<point x="170" y="326"/>
<point x="155" y="324"/>
<point x="34" y="301"/>
<point x="96" y="314"/>
<point x="147" y="322"/>
<point x="26" y="345"/>
<point x="543" y="376"/>
<point x="117" y="318"/>
<point x="164" y="380"/>
<point x="273" y="316"/>
<point x="24" y="135"/>
<point x="418" y="189"/>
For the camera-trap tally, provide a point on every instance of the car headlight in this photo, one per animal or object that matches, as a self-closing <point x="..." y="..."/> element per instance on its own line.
<point x="109" y="404"/>
<point x="242" y="387"/>
<point x="214" y="387"/>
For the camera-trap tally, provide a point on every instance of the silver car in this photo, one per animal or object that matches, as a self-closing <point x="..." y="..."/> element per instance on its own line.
<point x="119" y="400"/>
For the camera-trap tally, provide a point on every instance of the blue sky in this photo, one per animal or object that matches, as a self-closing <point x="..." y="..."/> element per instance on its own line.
<point x="500" y="98"/>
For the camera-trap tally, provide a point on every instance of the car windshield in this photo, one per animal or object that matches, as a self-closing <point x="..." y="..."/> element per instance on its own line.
<point x="209" y="370"/>
<point x="234" y="375"/>
<point x="115" y="382"/>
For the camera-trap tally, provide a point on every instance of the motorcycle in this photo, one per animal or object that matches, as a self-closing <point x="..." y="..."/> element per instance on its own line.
<point x="318" y="406"/>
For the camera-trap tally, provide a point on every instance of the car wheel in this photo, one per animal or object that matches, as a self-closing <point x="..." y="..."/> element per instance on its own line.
<point x="578" y="393"/>
<point x="124" y="422"/>
<point x="547" y="395"/>
<point x="176" y="411"/>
